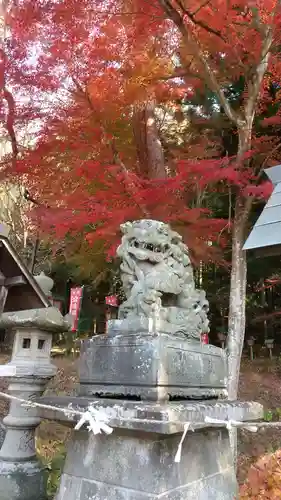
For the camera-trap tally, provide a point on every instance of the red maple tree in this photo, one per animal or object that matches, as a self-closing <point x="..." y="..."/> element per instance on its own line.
<point x="98" y="159"/>
<point x="95" y="80"/>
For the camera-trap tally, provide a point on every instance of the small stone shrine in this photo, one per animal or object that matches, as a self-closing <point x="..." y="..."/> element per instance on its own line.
<point x="153" y="378"/>
<point x="27" y="317"/>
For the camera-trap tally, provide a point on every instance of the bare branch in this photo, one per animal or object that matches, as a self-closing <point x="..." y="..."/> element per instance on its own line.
<point x="10" y="120"/>
<point x="210" y="77"/>
<point x="197" y="22"/>
<point x="257" y="78"/>
<point x="258" y="72"/>
<point x="257" y="22"/>
<point x="270" y="155"/>
<point x="204" y="4"/>
<point x="10" y="117"/>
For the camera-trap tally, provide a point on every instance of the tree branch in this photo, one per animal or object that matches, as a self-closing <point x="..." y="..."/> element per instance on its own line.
<point x="7" y="95"/>
<point x="129" y="184"/>
<point x="257" y="78"/>
<point x="210" y="77"/>
<point x="272" y="152"/>
<point x="10" y="120"/>
<point x="197" y="22"/>
<point x="204" y="4"/>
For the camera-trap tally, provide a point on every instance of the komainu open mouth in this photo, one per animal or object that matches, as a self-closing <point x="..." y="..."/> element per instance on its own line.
<point x="155" y="248"/>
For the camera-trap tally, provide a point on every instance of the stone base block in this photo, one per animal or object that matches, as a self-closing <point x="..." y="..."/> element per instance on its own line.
<point x="22" y="481"/>
<point x="125" y="466"/>
<point x="152" y="366"/>
<point x="137" y="461"/>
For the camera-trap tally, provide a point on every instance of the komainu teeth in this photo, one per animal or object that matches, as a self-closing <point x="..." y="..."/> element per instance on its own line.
<point x="149" y="246"/>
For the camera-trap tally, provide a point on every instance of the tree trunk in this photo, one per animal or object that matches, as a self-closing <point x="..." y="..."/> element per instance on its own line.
<point x="148" y="143"/>
<point x="238" y="284"/>
<point x="238" y="281"/>
<point x="237" y="299"/>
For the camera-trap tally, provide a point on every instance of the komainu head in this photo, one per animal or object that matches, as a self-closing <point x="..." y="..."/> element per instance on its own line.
<point x="148" y="240"/>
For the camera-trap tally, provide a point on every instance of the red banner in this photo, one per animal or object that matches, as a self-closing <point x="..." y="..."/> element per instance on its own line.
<point x="111" y="300"/>
<point x="76" y="295"/>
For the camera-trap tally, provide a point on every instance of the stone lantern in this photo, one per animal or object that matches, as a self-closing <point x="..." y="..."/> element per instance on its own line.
<point x="27" y="316"/>
<point x="251" y="342"/>
<point x="46" y="283"/>
<point x="269" y="343"/>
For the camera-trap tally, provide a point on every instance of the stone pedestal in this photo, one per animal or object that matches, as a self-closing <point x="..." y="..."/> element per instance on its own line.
<point x="21" y="475"/>
<point x="136" y="462"/>
<point x="151" y="366"/>
<point x="149" y="385"/>
<point x="151" y="375"/>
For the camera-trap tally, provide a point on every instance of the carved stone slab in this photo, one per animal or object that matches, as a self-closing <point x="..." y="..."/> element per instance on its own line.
<point x="153" y="367"/>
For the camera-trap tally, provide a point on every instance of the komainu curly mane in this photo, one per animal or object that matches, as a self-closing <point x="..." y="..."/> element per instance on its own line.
<point x="158" y="279"/>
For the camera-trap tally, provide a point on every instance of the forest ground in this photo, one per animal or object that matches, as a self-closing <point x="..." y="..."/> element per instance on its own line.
<point x="260" y="381"/>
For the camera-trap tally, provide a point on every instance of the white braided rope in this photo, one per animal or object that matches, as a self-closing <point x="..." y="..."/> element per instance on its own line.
<point x="97" y="420"/>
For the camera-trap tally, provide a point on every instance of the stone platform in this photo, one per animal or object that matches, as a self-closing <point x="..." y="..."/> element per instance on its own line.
<point x="136" y="462"/>
<point x="151" y="366"/>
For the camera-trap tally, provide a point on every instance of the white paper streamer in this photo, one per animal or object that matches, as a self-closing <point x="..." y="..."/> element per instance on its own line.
<point x="178" y="454"/>
<point x="251" y="428"/>
<point x="95" y="420"/>
<point x="8" y="370"/>
<point x="226" y="423"/>
<point x="231" y="423"/>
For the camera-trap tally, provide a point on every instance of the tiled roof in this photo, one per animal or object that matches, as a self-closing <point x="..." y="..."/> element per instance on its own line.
<point x="267" y="230"/>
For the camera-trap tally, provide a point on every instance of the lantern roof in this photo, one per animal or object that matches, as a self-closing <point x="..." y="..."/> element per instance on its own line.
<point x="18" y="288"/>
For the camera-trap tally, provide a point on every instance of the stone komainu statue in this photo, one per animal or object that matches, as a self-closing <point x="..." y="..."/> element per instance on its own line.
<point x="158" y="280"/>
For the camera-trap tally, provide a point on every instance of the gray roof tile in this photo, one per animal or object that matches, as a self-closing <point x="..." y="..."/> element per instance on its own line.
<point x="267" y="230"/>
<point x="264" y="236"/>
